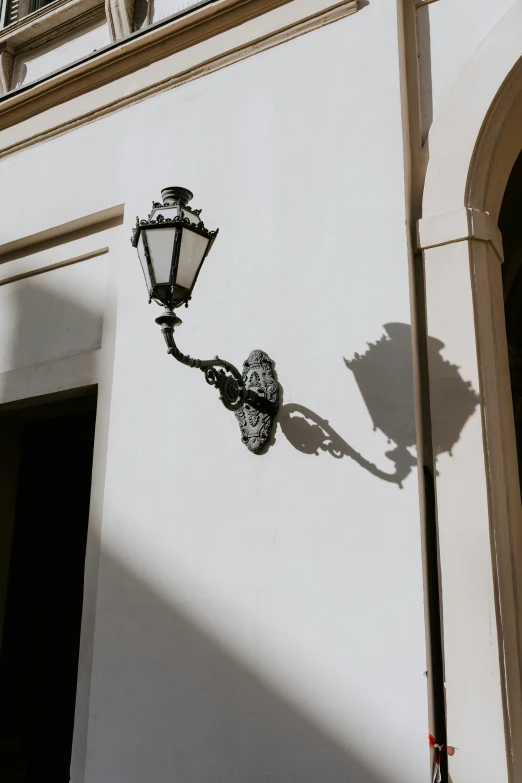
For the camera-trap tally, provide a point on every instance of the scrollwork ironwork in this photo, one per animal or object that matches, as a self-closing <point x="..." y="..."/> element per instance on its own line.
<point x="177" y="220"/>
<point x="231" y="392"/>
<point x="150" y="222"/>
<point x="251" y="395"/>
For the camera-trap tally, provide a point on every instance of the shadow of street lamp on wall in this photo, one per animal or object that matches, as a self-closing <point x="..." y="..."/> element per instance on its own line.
<point x="172" y="245"/>
<point x="384" y="375"/>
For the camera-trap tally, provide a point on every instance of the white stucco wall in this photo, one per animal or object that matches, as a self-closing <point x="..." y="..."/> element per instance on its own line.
<point x="265" y="594"/>
<point x="456" y="29"/>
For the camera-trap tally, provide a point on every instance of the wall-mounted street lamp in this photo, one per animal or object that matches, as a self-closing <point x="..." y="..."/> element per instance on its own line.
<point x="172" y="245"/>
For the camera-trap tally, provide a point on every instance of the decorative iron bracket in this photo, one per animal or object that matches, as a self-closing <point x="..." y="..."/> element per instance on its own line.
<point x="252" y="395"/>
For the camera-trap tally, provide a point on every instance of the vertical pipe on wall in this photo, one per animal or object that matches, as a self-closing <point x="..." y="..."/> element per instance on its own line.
<point x="415" y="163"/>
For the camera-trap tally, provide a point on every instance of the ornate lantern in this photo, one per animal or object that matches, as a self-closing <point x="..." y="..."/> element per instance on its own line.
<point x="172" y="244"/>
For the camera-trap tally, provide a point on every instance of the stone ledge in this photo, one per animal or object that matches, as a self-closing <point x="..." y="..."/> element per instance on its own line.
<point x="466" y="223"/>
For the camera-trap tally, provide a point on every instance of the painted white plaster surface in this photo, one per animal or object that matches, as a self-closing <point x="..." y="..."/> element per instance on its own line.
<point x="62" y="308"/>
<point x="249" y="625"/>
<point x="456" y="28"/>
<point x="33" y="65"/>
<point x="458" y="123"/>
<point x="470" y="629"/>
<point x="75" y="173"/>
<point x="259" y="618"/>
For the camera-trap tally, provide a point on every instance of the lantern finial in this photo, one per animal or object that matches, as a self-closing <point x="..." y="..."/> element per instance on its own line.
<point x="176" y="195"/>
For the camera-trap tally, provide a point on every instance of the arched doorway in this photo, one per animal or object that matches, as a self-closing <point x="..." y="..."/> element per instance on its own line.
<point x="510" y="225"/>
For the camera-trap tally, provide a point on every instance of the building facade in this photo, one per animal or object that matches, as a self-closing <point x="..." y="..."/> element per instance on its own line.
<point x="173" y="606"/>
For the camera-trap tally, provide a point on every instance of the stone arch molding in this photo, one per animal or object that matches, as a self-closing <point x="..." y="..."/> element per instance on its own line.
<point x="473" y="144"/>
<point x="473" y="141"/>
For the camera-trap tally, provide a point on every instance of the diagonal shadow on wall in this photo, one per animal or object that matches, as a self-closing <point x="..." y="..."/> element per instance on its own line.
<point x="171" y="703"/>
<point x="384" y="375"/>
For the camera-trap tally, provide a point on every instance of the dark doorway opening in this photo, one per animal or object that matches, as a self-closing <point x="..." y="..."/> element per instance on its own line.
<point x="44" y="510"/>
<point x="510" y="224"/>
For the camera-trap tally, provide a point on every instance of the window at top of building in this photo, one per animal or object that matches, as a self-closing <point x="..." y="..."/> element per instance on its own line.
<point x="160" y="9"/>
<point x="146" y="12"/>
<point x="17" y="9"/>
<point x="149" y="11"/>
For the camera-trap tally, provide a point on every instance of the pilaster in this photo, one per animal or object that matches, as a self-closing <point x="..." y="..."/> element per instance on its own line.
<point x="6" y="69"/>
<point x="479" y="513"/>
<point x="120" y="14"/>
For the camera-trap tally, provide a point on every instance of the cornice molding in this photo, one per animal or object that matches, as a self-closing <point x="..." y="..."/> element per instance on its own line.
<point x="40" y="270"/>
<point x="65" y="232"/>
<point x="134" y="53"/>
<point x="157" y="44"/>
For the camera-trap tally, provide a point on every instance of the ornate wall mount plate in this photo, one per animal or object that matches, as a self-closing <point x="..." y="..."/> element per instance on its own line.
<point x="256" y="421"/>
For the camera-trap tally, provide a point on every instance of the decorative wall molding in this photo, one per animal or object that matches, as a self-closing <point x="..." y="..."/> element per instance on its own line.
<point x="50" y="237"/>
<point x="488" y="84"/>
<point x="138" y="51"/>
<point x="153" y="45"/>
<point x="459" y="226"/>
<point x="50" y="267"/>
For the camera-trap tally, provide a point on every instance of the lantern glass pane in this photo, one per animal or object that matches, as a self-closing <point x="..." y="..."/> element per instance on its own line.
<point x="144" y="265"/>
<point x="191" y="254"/>
<point x="161" y="247"/>
<point x="191" y="216"/>
<point x="166" y="212"/>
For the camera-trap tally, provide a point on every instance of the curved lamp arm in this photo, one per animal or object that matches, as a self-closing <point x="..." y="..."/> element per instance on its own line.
<point x="251" y="395"/>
